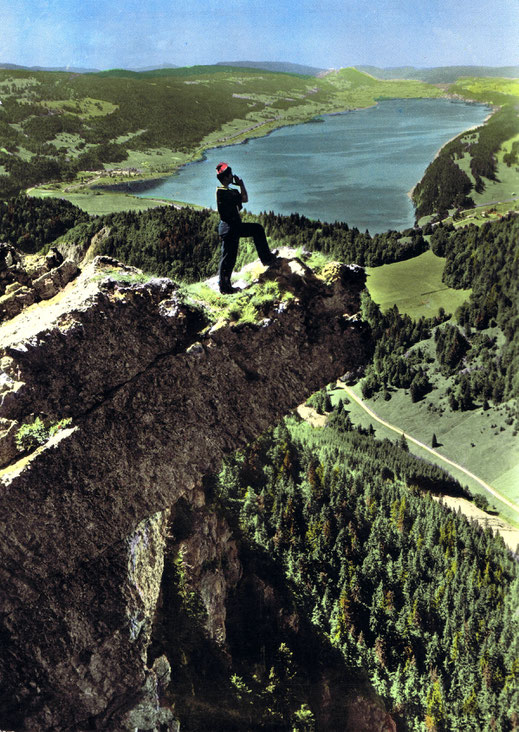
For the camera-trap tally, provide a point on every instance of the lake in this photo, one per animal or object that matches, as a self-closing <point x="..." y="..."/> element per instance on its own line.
<point x="356" y="166"/>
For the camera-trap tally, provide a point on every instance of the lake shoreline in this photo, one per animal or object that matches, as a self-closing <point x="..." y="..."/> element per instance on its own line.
<point x="199" y="156"/>
<point x="140" y="185"/>
<point x="369" y="161"/>
<point x="456" y="98"/>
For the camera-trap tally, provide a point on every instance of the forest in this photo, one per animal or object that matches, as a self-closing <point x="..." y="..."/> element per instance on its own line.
<point x="31" y="223"/>
<point x="486" y="259"/>
<point x="183" y="243"/>
<point x="476" y="349"/>
<point x="413" y="593"/>
<point x="445" y="185"/>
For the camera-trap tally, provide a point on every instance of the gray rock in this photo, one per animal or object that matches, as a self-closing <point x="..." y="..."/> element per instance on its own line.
<point x="15" y="301"/>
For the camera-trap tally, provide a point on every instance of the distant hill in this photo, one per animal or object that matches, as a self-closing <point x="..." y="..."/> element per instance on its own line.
<point x="155" y="67"/>
<point x="433" y="75"/>
<point x="72" y="69"/>
<point x="282" y="66"/>
<point x="354" y="77"/>
<point x="439" y="74"/>
<point x="174" y="71"/>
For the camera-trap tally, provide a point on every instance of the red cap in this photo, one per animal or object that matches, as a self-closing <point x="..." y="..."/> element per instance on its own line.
<point x="221" y="168"/>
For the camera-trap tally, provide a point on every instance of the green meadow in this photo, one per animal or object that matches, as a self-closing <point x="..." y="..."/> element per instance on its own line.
<point x="96" y="203"/>
<point x="479" y="441"/>
<point x="86" y="107"/>
<point x="415" y="286"/>
<point x="493" y="89"/>
<point x="503" y="188"/>
<point x="499" y="196"/>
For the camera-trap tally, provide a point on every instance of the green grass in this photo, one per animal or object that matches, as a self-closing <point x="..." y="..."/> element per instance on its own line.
<point x="415" y="286"/>
<point x="69" y="142"/>
<point x="494" y="457"/>
<point x="486" y="88"/>
<point x="156" y="160"/>
<point x="20" y="84"/>
<point x="490" y="212"/>
<point x="86" y="107"/>
<point x="97" y="203"/>
<point x="499" y="197"/>
<point x="248" y="306"/>
<point x="505" y="186"/>
<point x="24" y="154"/>
<point x="129" y="278"/>
<point x="508" y="483"/>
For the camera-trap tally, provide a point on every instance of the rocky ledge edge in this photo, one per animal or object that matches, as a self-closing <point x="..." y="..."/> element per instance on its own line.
<point x="138" y="398"/>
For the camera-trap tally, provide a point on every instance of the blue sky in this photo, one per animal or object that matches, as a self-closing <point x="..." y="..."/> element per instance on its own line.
<point x="324" y="33"/>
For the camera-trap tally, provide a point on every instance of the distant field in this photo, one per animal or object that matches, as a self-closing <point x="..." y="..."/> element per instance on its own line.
<point x="498" y="197"/>
<point x="415" y="286"/>
<point x="98" y="204"/>
<point x="156" y="161"/>
<point x="86" y="107"/>
<point x="491" y="88"/>
<point x="505" y="186"/>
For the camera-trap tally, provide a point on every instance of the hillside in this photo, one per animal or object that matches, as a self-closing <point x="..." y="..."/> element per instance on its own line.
<point x="440" y="74"/>
<point x="55" y="125"/>
<point x="478" y="167"/>
<point x="175" y="557"/>
<point x="284" y="67"/>
<point x="309" y="582"/>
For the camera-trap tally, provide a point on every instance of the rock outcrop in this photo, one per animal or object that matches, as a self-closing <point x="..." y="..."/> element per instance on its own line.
<point x="127" y="398"/>
<point x="23" y="283"/>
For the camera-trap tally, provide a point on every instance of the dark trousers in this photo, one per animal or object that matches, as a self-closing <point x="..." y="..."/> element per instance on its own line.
<point x="230" y="235"/>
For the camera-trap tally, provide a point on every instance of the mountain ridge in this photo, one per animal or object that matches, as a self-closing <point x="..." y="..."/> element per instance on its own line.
<point x="430" y="74"/>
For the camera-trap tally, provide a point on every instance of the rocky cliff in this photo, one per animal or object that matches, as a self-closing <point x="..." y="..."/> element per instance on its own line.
<point x="116" y="398"/>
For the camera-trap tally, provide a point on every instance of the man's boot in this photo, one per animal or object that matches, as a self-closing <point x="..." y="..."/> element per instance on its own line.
<point x="226" y="288"/>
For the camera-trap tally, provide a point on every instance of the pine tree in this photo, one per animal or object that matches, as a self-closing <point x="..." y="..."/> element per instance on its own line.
<point x="402" y="443"/>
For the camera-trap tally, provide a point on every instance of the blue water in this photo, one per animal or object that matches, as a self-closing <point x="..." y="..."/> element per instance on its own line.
<point x="356" y="167"/>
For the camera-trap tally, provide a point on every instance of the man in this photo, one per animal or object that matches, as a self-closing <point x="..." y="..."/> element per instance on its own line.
<point x="229" y="202"/>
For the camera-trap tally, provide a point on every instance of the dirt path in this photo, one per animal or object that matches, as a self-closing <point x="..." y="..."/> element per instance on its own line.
<point x="436" y="454"/>
<point x="509" y="533"/>
<point x="311" y="416"/>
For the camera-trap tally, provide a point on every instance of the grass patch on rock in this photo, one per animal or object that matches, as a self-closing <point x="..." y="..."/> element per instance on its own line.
<point x="248" y="306"/>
